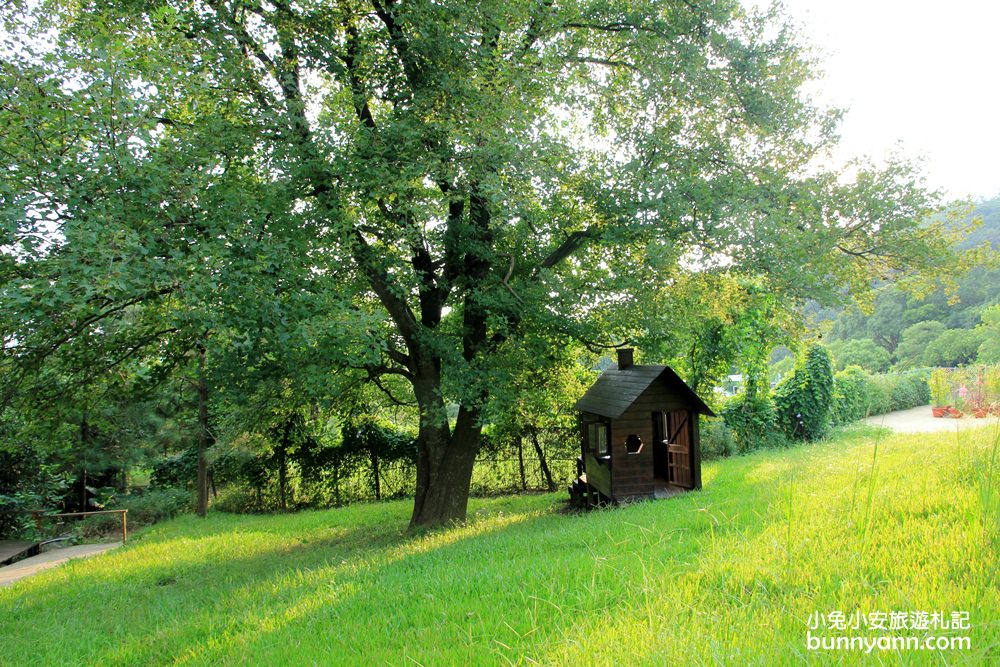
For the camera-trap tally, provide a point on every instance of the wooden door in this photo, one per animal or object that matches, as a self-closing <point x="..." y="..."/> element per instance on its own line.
<point x="679" y="449"/>
<point x="661" y="457"/>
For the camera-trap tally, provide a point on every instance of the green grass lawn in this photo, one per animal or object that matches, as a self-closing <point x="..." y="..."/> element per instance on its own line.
<point x="728" y="575"/>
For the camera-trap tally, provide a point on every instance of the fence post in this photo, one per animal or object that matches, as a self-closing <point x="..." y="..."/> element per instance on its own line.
<point x="124" y="527"/>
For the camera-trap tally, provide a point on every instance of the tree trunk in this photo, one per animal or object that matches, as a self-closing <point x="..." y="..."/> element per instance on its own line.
<point x="542" y="463"/>
<point x="203" y="436"/>
<point x="444" y="470"/>
<point x="83" y="491"/>
<point x="520" y="460"/>
<point x="283" y="466"/>
<point x="282" y="478"/>
<point x="85" y="440"/>
<point x="336" y="484"/>
<point x="376" y="482"/>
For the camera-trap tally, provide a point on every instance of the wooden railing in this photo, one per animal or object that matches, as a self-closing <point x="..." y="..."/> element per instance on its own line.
<point x="39" y="515"/>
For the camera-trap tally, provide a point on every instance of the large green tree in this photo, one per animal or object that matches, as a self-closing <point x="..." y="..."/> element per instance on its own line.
<point x="705" y="324"/>
<point x="914" y="340"/>
<point x="860" y="352"/>
<point x="989" y="349"/>
<point x="451" y="178"/>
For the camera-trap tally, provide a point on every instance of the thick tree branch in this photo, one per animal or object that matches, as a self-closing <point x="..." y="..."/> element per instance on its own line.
<point x="605" y="62"/>
<point x="399" y="357"/>
<point x="318" y="172"/>
<point x="79" y="327"/>
<point x="385" y="10"/>
<point x="476" y="269"/>
<point x="570" y="245"/>
<point x="355" y="82"/>
<point x="379" y="370"/>
<point x="432" y="296"/>
<point x="396" y="306"/>
<point x="250" y="48"/>
<point x="452" y="254"/>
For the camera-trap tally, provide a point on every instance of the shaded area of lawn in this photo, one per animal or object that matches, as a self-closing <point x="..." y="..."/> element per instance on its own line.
<point x="728" y="575"/>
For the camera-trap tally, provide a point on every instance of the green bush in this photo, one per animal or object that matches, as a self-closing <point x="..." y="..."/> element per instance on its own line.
<point x="881" y="401"/>
<point x="858" y="394"/>
<point x="155" y="505"/>
<point x="854" y="392"/>
<point x="102" y="525"/>
<point x="144" y="509"/>
<point x="717" y="440"/>
<point x="910" y="390"/>
<point x="175" y="470"/>
<point x="238" y="499"/>
<point x="939" y="387"/>
<point x="803" y="401"/>
<point x="991" y="385"/>
<point x="13" y="516"/>
<point x="750" y="420"/>
<point x="179" y="470"/>
<point x="28" y="481"/>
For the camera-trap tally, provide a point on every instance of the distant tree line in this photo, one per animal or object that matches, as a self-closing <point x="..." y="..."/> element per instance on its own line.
<point x="950" y="326"/>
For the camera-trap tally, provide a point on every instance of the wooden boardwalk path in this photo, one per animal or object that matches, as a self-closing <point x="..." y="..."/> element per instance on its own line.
<point x="29" y="566"/>
<point x="11" y="550"/>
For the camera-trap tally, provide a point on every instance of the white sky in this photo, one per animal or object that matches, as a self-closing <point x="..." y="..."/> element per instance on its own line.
<point x="920" y="76"/>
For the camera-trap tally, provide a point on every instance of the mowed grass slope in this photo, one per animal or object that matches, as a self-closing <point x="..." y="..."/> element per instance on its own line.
<point x="728" y="575"/>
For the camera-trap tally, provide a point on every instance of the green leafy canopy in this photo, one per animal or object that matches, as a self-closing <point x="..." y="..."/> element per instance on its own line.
<point x="413" y="189"/>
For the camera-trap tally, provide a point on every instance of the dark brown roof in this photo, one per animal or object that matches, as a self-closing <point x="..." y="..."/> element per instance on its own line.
<point x="615" y="390"/>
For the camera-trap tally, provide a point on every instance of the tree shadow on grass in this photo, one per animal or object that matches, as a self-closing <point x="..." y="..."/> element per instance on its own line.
<point x="350" y="586"/>
<point x="192" y="550"/>
<point x="491" y="597"/>
<point x="152" y="602"/>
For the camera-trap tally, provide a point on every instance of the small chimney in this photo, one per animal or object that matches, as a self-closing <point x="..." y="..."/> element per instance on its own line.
<point x="625" y="356"/>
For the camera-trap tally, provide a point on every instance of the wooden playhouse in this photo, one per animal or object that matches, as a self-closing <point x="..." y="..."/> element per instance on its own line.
<point x="639" y="435"/>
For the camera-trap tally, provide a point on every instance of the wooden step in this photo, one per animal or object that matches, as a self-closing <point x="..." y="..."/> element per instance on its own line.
<point x="12" y="550"/>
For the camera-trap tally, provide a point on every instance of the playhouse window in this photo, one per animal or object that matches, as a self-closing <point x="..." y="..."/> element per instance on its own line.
<point x="597" y="438"/>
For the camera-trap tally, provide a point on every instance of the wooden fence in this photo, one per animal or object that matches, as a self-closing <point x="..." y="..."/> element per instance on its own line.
<point x="39" y="517"/>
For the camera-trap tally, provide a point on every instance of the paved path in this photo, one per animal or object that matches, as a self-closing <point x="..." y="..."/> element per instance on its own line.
<point x="29" y="566"/>
<point x="919" y="420"/>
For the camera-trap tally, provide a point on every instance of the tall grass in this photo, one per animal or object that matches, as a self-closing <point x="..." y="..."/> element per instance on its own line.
<point x="729" y="575"/>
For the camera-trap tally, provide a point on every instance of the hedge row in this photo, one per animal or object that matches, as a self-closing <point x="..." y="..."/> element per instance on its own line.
<point x="858" y="394"/>
<point x="801" y="408"/>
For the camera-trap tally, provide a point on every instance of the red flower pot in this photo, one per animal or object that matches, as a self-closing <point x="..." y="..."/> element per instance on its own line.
<point x="939" y="412"/>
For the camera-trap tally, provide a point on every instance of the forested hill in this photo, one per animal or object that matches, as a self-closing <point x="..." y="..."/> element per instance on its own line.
<point x="989" y="212"/>
<point x="939" y="330"/>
